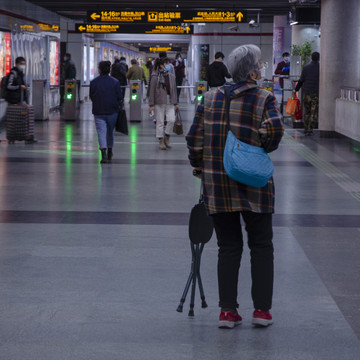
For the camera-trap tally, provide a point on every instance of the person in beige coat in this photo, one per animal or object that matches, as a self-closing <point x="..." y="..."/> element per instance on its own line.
<point x="163" y="99"/>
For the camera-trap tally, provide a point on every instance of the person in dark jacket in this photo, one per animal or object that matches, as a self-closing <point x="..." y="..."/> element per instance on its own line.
<point x="217" y="72"/>
<point x="283" y="67"/>
<point x="107" y="98"/>
<point x="255" y="120"/>
<point x="118" y="71"/>
<point x="309" y="82"/>
<point x="16" y="88"/>
<point x="179" y="72"/>
<point x="69" y="68"/>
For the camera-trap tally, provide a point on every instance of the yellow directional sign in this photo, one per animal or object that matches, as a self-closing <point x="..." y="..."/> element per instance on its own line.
<point x="170" y="29"/>
<point x="167" y="16"/>
<point x="95" y="16"/>
<point x="95" y="28"/>
<point x="214" y="17"/>
<point x="134" y="29"/>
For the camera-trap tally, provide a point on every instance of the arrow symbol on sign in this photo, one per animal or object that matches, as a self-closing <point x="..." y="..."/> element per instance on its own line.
<point x="94" y="16"/>
<point x="82" y="28"/>
<point x="239" y="16"/>
<point x="187" y="29"/>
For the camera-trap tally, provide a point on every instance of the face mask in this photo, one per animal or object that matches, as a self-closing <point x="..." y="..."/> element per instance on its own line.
<point x="287" y="59"/>
<point x="179" y="59"/>
<point x="167" y="67"/>
<point x="66" y="58"/>
<point x="22" y="68"/>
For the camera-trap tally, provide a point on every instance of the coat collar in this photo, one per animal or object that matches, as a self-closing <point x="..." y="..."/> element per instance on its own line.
<point x="238" y="88"/>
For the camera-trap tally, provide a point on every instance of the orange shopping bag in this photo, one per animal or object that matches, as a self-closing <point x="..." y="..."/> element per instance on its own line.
<point x="292" y="105"/>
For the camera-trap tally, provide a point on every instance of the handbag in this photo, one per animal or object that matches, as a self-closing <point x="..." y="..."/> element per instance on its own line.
<point x="244" y="163"/>
<point x="178" y="126"/>
<point x="121" y="122"/>
<point x="292" y="105"/>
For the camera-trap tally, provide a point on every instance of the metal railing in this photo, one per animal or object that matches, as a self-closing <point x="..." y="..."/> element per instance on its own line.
<point x="350" y="94"/>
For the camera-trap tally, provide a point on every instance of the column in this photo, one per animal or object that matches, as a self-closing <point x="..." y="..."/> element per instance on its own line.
<point x="339" y="56"/>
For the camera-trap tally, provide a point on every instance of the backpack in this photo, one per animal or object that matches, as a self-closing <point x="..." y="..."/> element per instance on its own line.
<point x="4" y="85"/>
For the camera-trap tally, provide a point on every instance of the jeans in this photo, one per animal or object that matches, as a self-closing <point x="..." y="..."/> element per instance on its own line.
<point x="230" y="242"/>
<point x="105" y="125"/>
<point x="160" y="112"/>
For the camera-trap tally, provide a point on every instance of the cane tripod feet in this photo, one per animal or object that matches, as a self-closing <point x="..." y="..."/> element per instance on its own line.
<point x="179" y="308"/>
<point x="191" y="313"/>
<point x="204" y="305"/>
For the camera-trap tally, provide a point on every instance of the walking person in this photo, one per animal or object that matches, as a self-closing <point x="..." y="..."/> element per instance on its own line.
<point x="217" y="72"/>
<point x="255" y="120"/>
<point x="163" y="100"/>
<point x="179" y="73"/>
<point x="309" y="82"/>
<point x="136" y="72"/>
<point x="118" y="71"/>
<point x="107" y="99"/>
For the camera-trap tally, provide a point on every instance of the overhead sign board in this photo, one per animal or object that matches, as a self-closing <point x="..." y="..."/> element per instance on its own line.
<point x="171" y="29"/>
<point x="97" y="28"/>
<point x="134" y="29"/>
<point x="169" y="17"/>
<point x="159" y="49"/>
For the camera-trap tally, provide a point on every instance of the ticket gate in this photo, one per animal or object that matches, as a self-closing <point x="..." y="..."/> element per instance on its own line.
<point x="135" y="101"/>
<point x="200" y="90"/>
<point x="71" y="100"/>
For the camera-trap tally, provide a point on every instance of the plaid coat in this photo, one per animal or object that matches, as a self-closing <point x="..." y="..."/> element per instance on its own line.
<point x="251" y="109"/>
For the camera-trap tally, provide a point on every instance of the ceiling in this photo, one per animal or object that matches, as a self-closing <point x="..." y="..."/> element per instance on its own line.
<point x="77" y="9"/>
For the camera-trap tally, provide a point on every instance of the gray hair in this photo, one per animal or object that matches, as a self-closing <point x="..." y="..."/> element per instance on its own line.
<point x="242" y="61"/>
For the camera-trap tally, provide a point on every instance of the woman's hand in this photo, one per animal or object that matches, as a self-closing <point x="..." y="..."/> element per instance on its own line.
<point x="151" y="109"/>
<point x="176" y="107"/>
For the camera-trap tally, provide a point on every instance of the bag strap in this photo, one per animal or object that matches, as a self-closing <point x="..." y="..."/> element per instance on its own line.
<point x="227" y="106"/>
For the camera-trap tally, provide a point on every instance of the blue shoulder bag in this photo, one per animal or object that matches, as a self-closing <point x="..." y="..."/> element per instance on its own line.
<point x="244" y="163"/>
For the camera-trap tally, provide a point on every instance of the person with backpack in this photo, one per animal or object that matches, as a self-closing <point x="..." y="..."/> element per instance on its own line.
<point x="13" y="88"/>
<point x="118" y="71"/>
<point x="16" y="94"/>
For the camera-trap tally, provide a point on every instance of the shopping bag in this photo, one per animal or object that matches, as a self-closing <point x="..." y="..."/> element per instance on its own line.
<point x="178" y="127"/>
<point x="298" y="115"/>
<point x="121" y="122"/>
<point x="292" y="105"/>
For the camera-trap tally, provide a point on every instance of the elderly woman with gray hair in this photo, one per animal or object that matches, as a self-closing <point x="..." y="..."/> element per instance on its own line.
<point x="255" y="120"/>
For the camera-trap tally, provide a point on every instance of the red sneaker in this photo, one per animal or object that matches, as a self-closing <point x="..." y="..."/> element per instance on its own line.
<point x="227" y="320"/>
<point x="261" y="318"/>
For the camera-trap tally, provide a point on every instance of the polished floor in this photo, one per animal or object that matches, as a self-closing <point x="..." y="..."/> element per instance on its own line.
<point x="94" y="258"/>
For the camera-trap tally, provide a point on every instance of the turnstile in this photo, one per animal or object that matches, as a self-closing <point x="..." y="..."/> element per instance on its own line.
<point x="135" y="100"/>
<point x="200" y="90"/>
<point x="71" y="100"/>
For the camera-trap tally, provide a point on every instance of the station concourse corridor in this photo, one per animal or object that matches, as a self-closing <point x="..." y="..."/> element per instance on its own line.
<point x="94" y="258"/>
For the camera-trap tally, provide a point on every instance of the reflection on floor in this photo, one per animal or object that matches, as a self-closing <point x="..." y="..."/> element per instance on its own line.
<point x="94" y="259"/>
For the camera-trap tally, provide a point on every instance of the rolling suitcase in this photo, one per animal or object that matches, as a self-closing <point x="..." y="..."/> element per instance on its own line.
<point x="20" y="123"/>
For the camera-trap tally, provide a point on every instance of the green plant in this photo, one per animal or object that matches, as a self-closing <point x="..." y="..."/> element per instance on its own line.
<point x="304" y="50"/>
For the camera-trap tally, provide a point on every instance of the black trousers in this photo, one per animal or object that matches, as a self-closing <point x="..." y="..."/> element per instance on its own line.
<point x="230" y="242"/>
<point x="179" y="81"/>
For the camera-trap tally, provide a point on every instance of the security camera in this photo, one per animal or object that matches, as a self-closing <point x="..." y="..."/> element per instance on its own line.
<point x="234" y="28"/>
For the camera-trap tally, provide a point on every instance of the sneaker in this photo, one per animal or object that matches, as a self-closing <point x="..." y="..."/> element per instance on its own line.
<point x="227" y="320"/>
<point x="261" y="318"/>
